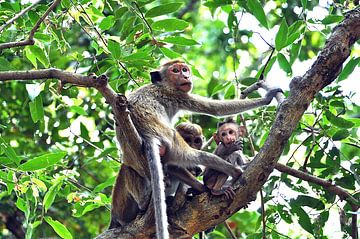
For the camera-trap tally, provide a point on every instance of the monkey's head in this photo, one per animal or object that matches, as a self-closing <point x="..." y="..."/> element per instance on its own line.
<point x="191" y="133"/>
<point x="174" y="74"/>
<point x="228" y="131"/>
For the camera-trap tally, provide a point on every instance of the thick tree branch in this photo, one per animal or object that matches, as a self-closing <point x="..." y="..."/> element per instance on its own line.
<point x="30" y="39"/>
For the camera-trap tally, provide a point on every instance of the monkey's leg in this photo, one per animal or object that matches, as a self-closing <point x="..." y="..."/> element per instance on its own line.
<point x="212" y="161"/>
<point x="124" y="207"/>
<point x="185" y="176"/>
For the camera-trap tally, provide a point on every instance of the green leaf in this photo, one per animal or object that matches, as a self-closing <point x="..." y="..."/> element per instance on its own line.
<point x="170" y="53"/>
<point x="77" y="109"/>
<point x="33" y="90"/>
<point x="9" y="151"/>
<point x="163" y="9"/>
<point x="332" y="19"/>
<point x="348" y="69"/>
<point x="181" y="41"/>
<point x="31" y="57"/>
<point x="21" y="204"/>
<point x="59" y="228"/>
<point x="340" y="135"/>
<point x="40" y="54"/>
<point x="107" y="23"/>
<point x="50" y="195"/>
<point x="284" y="64"/>
<point x="258" y="11"/>
<point x="107" y="183"/>
<point x="5" y="64"/>
<point x="40" y="184"/>
<point x="281" y="35"/>
<point x="115" y="49"/>
<point x="170" y="25"/>
<point x="338" y="121"/>
<point x="42" y="161"/>
<point x="120" y="12"/>
<point x="304" y="219"/>
<point x="37" y="109"/>
<point x="304" y="3"/>
<point x="137" y="56"/>
<point x="304" y="200"/>
<point x="294" y="52"/>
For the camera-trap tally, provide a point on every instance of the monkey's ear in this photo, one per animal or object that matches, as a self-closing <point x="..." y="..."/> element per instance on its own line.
<point x="216" y="138"/>
<point x="155" y="76"/>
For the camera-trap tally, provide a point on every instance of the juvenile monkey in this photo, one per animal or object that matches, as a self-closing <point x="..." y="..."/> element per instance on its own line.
<point x="152" y="107"/>
<point x="175" y="175"/>
<point x="229" y="140"/>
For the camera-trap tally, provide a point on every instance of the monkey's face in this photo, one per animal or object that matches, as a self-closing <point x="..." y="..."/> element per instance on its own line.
<point x="228" y="133"/>
<point x="179" y="77"/>
<point x="193" y="140"/>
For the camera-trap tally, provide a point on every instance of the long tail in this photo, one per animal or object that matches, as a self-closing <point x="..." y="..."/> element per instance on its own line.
<point x="151" y="148"/>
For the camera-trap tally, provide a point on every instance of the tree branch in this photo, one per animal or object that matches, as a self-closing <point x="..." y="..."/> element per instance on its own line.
<point x="21" y="13"/>
<point x="30" y="39"/>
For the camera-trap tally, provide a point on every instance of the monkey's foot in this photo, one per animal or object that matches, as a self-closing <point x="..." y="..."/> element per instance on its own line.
<point x="121" y="103"/>
<point x="228" y="191"/>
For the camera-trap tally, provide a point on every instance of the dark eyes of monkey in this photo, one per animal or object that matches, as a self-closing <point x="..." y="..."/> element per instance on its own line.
<point x="184" y="69"/>
<point x="175" y="70"/>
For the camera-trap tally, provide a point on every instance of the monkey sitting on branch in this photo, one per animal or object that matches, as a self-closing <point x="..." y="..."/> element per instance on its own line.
<point x="152" y="107"/>
<point x="228" y="138"/>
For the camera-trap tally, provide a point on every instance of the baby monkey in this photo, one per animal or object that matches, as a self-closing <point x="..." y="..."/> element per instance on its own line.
<point x="175" y="175"/>
<point x="229" y="140"/>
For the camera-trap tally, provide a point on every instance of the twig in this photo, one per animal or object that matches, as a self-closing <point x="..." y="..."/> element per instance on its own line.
<point x="232" y="235"/>
<point x="9" y="22"/>
<point x="189" y="7"/>
<point x="328" y="185"/>
<point x="30" y="39"/>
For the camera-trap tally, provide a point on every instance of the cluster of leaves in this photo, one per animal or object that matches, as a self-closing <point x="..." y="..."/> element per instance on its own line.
<point x="58" y="155"/>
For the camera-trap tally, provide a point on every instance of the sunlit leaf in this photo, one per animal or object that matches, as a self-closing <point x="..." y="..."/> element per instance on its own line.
<point x="50" y="195"/>
<point x="59" y="228"/>
<point x="180" y="41"/>
<point x="332" y="19"/>
<point x="169" y="25"/>
<point x="258" y="11"/>
<point x="115" y="49"/>
<point x="281" y="35"/>
<point x="42" y="161"/>
<point x="349" y="68"/>
<point x="40" y="54"/>
<point x="9" y="151"/>
<point x="107" y="23"/>
<point x="163" y="9"/>
<point x="33" y="90"/>
<point x="37" y="109"/>
<point x="170" y="53"/>
<point x="284" y="64"/>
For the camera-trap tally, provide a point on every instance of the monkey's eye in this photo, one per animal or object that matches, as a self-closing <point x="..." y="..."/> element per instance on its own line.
<point x="231" y="131"/>
<point x="223" y="134"/>
<point x="187" y="140"/>
<point x="197" y="140"/>
<point x="175" y="70"/>
<point x="184" y="69"/>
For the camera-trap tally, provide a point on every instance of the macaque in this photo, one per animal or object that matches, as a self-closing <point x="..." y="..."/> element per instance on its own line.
<point x="152" y="107"/>
<point x="229" y="140"/>
<point x="175" y="175"/>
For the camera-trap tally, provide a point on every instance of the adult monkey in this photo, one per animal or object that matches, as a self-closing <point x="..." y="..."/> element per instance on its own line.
<point x="152" y="108"/>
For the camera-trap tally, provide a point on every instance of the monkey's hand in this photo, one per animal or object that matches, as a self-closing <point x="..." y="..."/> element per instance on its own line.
<point x="228" y="191"/>
<point x="225" y="150"/>
<point x="272" y="93"/>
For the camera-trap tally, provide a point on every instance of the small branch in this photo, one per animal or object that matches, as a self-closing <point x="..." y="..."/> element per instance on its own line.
<point x="328" y="185"/>
<point x="30" y="39"/>
<point x="9" y="22"/>
<point x="189" y="7"/>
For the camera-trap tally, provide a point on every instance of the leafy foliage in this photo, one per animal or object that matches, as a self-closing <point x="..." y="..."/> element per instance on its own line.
<point x="58" y="155"/>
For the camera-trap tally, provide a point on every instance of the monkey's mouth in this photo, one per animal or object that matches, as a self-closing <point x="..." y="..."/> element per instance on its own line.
<point x="186" y="84"/>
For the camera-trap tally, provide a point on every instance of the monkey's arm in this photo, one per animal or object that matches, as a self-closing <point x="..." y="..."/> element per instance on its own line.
<point x="185" y="176"/>
<point x="205" y="105"/>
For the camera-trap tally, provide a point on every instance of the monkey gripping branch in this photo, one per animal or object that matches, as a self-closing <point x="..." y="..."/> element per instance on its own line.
<point x="202" y="213"/>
